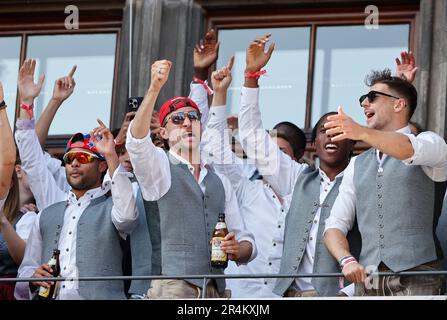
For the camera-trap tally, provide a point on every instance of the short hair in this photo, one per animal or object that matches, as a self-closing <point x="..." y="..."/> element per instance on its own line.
<point x="315" y="128"/>
<point x="293" y="135"/>
<point x="402" y="87"/>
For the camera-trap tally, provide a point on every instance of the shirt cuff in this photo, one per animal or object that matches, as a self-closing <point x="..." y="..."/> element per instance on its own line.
<point x="218" y="113"/>
<point x="416" y="149"/>
<point x="25" y="124"/>
<point x="132" y="141"/>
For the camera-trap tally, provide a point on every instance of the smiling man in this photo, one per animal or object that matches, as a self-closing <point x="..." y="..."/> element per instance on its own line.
<point x="390" y="190"/>
<point x="312" y="192"/>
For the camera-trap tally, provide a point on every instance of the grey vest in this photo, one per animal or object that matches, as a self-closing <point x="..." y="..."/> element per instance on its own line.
<point x="98" y="250"/>
<point x="187" y="220"/>
<point x="7" y="264"/>
<point x="395" y="209"/>
<point x="141" y="249"/>
<point x="304" y="206"/>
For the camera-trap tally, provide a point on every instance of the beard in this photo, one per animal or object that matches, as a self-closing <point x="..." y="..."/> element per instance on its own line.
<point x="82" y="182"/>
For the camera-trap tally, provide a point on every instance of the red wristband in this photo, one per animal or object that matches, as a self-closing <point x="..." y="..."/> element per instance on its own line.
<point x="255" y="75"/>
<point x="208" y="89"/>
<point x="28" y="109"/>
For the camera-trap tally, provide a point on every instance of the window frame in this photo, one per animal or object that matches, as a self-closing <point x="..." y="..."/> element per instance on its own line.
<point x="94" y="21"/>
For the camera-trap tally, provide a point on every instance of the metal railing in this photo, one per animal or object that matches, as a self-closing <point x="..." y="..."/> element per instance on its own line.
<point x="222" y="276"/>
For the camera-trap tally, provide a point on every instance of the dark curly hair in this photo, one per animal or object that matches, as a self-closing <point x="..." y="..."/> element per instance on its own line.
<point x="401" y="87"/>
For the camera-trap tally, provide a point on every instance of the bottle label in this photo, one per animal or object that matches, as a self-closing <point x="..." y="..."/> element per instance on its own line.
<point x="217" y="254"/>
<point x="221" y="225"/>
<point x="44" y="292"/>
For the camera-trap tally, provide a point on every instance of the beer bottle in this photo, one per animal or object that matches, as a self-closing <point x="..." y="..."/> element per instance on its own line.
<point x="219" y="259"/>
<point x="51" y="292"/>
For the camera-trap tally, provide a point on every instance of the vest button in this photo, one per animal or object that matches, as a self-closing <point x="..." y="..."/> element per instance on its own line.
<point x="379" y="196"/>
<point x="270" y="263"/>
<point x="306" y="231"/>
<point x="380" y="216"/>
<point x="301" y="249"/>
<point x="381" y="236"/>
<point x="381" y="226"/>
<point x="295" y="268"/>
<point x="380" y="205"/>
<point x="382" y="246"/>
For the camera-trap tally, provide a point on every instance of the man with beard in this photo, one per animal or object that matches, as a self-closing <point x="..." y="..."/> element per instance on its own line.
<point x="312" y="192"/>
<point x="189" y="195"/>
<point x="390" y="190"/>
<point x="85" y="224"/>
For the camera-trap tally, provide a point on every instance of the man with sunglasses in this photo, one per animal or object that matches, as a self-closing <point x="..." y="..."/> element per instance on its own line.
<point x="188" y="193"/>
<point x="87" y="226"/>
<point x="390" y="190"/>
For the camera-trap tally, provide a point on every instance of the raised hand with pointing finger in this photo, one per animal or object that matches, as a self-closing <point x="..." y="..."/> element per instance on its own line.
<point x="64" y="87"/>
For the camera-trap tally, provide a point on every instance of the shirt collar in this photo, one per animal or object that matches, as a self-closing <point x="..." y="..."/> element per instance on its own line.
<point x="188" y="164"/>
<point x="326" y="178"/>
<point x="90" y="194"/>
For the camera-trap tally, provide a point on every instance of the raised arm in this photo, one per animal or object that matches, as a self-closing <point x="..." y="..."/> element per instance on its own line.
<point x="63" y="88"/>
<point x="124" y="213"/>
<point x="7" y="149"/>
<point x="427" y="149"/>
<point x="205" y="55"/>
<point x="277" y="168"/>
<point x="217" y="148"/>
<point x="41" y="180"/>
<point x="151" y="165"/>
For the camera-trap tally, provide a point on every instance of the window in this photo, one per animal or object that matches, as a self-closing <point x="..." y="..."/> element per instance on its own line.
<point x="94" y="55"/>
<point x="320" y="60"/>
<point x="344" y="55"/>
<point x="283" y="88"/>
<point x="38" y="30"/>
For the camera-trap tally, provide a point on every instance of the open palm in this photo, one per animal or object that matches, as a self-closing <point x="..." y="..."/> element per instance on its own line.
<point x="256" y="58"/>
<point x="28" y="90"/>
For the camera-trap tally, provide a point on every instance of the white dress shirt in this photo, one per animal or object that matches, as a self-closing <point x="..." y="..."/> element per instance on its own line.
<point x="262" y="211"/>
<point x="124" y="216"/>
<point x="45" y="188"/>
<point x="430" y="152"/>
<point x="152" y="170"/>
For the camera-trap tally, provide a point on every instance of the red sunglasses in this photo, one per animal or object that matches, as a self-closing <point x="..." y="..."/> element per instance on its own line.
<point x="81" y="156"/>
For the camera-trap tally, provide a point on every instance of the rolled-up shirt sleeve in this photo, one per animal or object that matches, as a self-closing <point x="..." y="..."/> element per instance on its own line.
<point x="342" y="215"/>
<point x="151" y="166"/>
<point x="124" y="211"/>
<point x="430" y="152"/>
<point x="234" y="220"/>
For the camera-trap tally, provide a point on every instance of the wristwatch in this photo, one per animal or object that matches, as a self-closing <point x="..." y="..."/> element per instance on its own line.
<point x="3" y="105"/>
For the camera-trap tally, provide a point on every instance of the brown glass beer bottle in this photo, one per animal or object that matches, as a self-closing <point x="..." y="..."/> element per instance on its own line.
<point x="219" y="259"/>
<point x="51" y="292"/>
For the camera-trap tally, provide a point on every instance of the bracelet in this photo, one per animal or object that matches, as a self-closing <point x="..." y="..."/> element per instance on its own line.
<point x="28" y="109"/>
<point x="3" y="105"/>
<point x="347" y="260"/>
<point x="255" y="75"/>
<point x="207" y="88"/>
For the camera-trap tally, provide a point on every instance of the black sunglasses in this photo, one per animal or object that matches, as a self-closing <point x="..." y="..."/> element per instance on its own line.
<point x="179" y="117"/>
<point x="372" y="95"/>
